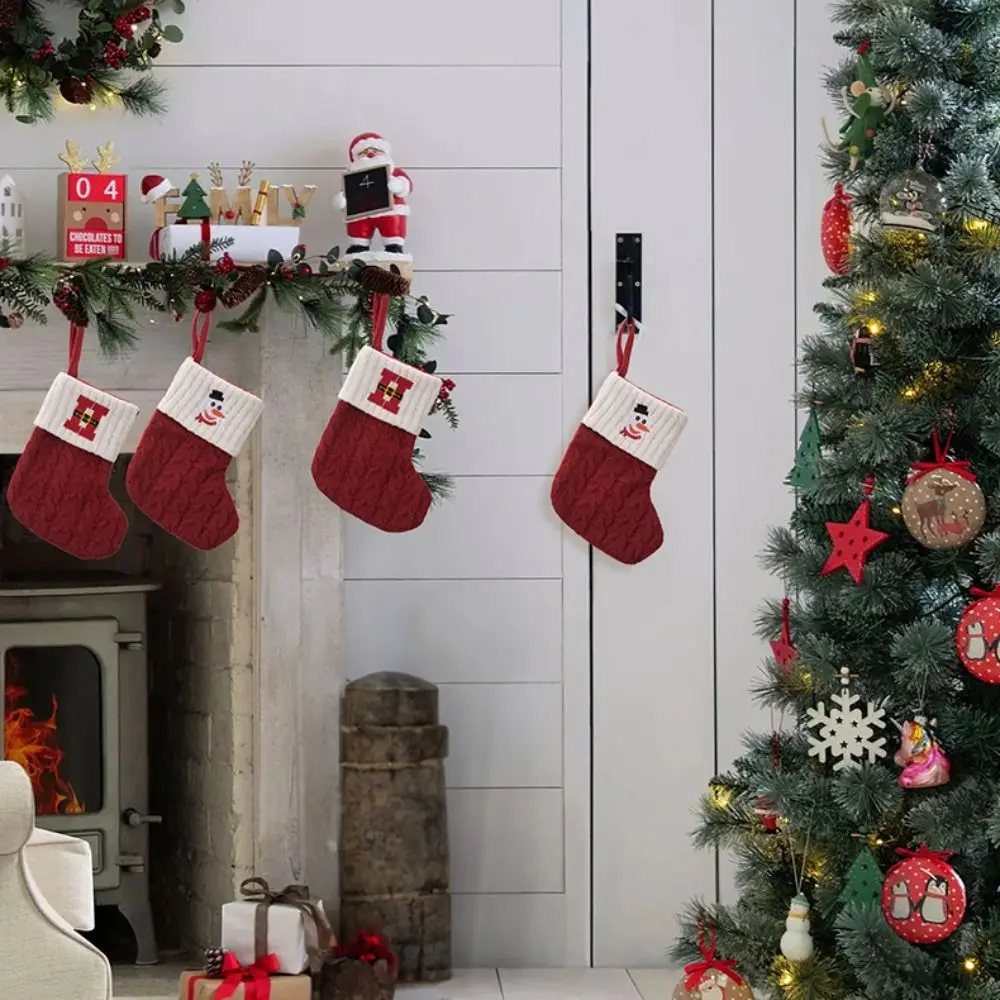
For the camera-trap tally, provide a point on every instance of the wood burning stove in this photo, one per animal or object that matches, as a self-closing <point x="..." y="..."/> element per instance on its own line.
<point x="73" y="675"/>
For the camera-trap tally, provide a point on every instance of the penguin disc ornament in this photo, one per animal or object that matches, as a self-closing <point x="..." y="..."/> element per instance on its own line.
<point x="977" y="637"/>
<point x="712" y="978"/>
<point x="943" y="507"/>
<point x="923" y="897"/>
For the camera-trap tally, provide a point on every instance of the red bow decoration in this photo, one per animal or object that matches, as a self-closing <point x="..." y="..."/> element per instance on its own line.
<point x="923" y="852"/>
<point x="368" y="948"/>
<point x="254" y="978"/>
<point x="980" y="593"/>
<point x="963" y="468"/>
<point x="696" y="970"/>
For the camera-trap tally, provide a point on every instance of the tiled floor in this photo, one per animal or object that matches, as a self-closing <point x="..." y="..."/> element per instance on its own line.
<point x="159" y="983"/>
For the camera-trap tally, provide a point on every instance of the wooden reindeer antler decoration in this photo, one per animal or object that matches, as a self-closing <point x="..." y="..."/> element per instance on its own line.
<point x="106" y="158"/>
<point x="246" y="172"/>
<point x="73" y="157"/>
<point x="215" y="174"/>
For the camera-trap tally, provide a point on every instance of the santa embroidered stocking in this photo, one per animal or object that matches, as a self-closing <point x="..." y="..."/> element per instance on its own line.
<point x="601" y="489"/>
<point x="364" y="462"/>
<point x="59" y="490"/>
<point x="177" y="476"/>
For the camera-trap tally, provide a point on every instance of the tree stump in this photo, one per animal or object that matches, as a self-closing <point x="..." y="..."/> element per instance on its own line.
<point x="394" y="825"/>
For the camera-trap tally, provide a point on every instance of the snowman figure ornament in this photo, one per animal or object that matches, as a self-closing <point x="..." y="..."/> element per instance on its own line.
<point x="797" y="942"/>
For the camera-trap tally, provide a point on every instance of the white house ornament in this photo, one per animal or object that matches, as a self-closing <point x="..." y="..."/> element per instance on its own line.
<point x="796" y="942"/>
<point x="712" y="978"/>
<point x="943" y="506"/>
<point x="977" y="637"/>
<point x="913" y="200"/>
<point x="11" y="219"/>
<point x="845" y="732"/>
<point x="923" y="897"/>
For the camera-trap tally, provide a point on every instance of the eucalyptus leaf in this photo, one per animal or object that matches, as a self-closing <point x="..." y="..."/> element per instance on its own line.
<point x="171" y="33"/>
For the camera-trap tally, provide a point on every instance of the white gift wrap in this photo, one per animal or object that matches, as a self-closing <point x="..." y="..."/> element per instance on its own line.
<point x="286" y="933"/>
<point x="251" y="244"/>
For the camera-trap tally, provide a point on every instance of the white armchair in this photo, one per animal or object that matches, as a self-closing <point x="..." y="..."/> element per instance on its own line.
<point x="41" y="956"/>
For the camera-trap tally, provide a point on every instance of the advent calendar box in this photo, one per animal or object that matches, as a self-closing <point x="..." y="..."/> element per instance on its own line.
<point x="91" y="216"/>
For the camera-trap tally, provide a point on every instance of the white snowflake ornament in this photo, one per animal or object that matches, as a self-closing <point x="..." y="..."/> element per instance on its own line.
<point x="845" y="731"/>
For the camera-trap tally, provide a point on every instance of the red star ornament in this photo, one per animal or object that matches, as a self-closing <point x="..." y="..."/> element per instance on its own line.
<point x="853" y="541"/>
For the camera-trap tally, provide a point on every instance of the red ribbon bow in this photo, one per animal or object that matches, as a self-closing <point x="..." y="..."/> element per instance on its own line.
<point x="254" y="978"/>
<point x="696" y="970"/>
<point x="960" y="468"/>
<point x="923" y="852"/>
<point x="369" y="948"/>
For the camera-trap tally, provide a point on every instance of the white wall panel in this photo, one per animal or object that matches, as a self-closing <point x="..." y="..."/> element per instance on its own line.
<point x="503" y="735"/>
<point x="492" y="527"/>
<point x="389" y="33"/>
<point x="754" y="350"/>
<point x="511" y="929"/>
<point x="509" y="425"/>
<point x="503" y="321"/>
<point x="653" y="623"/>
<point x="466" y="631"/>
<point x="506" y="839"/>
<point x="468" y="116"/>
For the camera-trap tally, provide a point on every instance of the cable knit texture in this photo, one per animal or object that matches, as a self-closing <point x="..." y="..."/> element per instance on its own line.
<point x="60" y="493"/>
<point x="365" y="466"/>
<point x="178" y="480"/>
<point x="602" y="493"/>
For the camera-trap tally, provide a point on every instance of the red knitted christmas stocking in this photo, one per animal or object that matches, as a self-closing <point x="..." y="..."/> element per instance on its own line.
<point x="59" y="490"/>
<point x="364" y="462"/>
<point x="177" y="476"/>
<point x="601" y="489"/>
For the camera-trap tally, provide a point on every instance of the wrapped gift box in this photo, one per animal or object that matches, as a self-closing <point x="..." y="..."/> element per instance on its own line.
<point x="197" y="986"/>
<point x="251" y="244"/>
<point x="286" y="933"/>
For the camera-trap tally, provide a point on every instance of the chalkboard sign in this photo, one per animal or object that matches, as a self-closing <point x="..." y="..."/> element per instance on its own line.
<point x="367" y="192"/>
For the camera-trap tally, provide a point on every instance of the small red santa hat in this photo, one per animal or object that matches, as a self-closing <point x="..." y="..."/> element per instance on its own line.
<point x="154" y="186"/>
<point x="368" y="140"/>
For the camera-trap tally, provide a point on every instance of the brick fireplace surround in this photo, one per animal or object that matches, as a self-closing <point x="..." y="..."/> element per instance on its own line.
<point x="245" y="651"/>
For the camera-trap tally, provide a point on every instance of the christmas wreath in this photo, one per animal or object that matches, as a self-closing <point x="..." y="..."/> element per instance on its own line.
<point x="114" y="36"/>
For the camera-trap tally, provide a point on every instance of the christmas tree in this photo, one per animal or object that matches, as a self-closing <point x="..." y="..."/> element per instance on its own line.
<point x="882" y="788"/>
<point x="194" y="205"/>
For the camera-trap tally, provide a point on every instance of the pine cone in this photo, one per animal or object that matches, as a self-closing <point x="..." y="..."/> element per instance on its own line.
<point x="244" y="286"/>
<point x="10" y="12"/>
<point x="377" y="279"/>
<point x="213" y="961"/>
<point x="69" y="301"/>
<point x="76" y="90"/>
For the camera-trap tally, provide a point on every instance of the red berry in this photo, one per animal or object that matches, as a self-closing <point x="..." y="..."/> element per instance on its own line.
<point x="205" y="300"/>
<point x="226" y="264"/>
<point x="113" y="54"/>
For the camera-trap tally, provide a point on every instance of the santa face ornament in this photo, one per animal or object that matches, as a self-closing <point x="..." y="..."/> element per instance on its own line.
<point x="923" y="897"/>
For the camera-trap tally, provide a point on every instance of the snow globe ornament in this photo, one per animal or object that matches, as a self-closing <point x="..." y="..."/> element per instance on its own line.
<point x="712" y="978"/>
<point x="920" y="756"/>
<point x="942" y="505"/>
<point x="977" y="637"/>
<point x="913" y="201"/>
<point x="797" y="942"/>
<point x="923" y="897"/>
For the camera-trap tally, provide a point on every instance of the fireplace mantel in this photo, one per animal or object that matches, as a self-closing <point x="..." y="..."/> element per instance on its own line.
<point x="295" y="550"/>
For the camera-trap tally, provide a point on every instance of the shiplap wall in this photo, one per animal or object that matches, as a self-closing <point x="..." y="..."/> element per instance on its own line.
<point x="732" y="268"/>
<point x="489" y="599"/>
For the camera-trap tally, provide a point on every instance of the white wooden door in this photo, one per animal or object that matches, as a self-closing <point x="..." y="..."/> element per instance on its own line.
<point x="489" y="599"/>
<point x="705" y="125"/>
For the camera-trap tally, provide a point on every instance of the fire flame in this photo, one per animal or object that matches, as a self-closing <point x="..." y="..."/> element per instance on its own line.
<point x="34" y="744"/>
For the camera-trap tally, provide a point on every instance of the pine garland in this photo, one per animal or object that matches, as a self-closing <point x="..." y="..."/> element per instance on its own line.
<point x="325" y="293"/>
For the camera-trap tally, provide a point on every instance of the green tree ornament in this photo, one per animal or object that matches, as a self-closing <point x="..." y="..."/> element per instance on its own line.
<point x="194" y="205"/>
<point x="863" y="882"/>
<point x="805" y="472"/>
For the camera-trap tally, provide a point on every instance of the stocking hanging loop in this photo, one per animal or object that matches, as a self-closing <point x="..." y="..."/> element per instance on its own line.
<point x="624" y="343"/>
<point x="199" y="334"/>
<point x="76" y="333"/>
<point x="380" y="313"/>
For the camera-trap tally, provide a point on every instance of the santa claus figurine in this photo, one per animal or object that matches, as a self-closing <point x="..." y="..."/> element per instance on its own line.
<point x="366" y="151"/>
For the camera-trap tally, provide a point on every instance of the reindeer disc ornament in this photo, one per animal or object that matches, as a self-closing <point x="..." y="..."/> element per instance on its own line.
<point x="943" y="507"/>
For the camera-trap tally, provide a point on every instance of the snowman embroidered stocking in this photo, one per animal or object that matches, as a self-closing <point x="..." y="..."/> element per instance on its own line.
<point x="601" y="489"/>
<point x="59" y="489"/>
<point x="177" y="476"/>
<point x="364" y="461"/>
